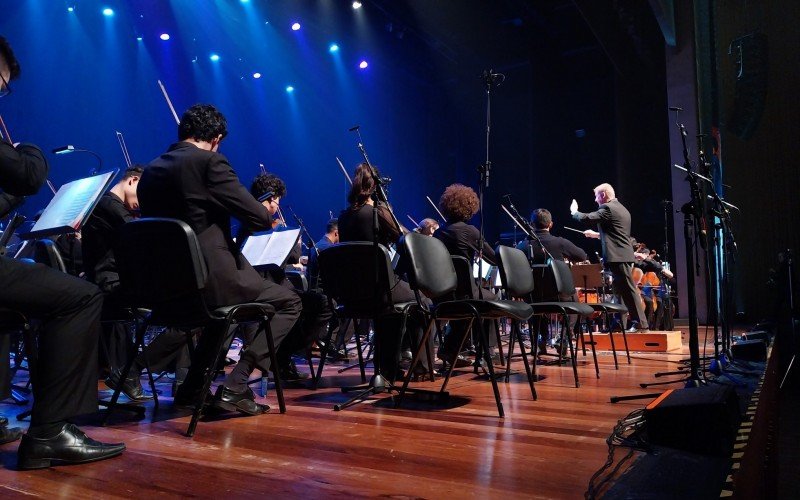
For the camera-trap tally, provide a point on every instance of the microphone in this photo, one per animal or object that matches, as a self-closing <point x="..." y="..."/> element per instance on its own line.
<point x="666" y="202"/>
<point x="353" y="129"/>
<point x="675" y="108"/>
<point x="491" y="78"/>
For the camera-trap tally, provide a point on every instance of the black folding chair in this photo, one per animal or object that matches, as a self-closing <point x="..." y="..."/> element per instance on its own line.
<point x="431" y="272"/>
<point x="553" y="282"/>
<point x="161" y="269"/>
<point x="357" y="277"/>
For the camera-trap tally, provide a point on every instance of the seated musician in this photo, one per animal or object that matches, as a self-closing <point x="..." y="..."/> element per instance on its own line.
<point x="459" y="203"/>
<point x="316" y="313"/>
<point x="355" y="224"/>
<point x="427" y="226"/>
<point x="192" y="182"/>
<point x="116" y="207"/>
<point x="558" y="247"/>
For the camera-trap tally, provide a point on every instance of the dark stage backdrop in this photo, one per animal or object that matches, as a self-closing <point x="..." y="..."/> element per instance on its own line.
<point x="573" y="112"/>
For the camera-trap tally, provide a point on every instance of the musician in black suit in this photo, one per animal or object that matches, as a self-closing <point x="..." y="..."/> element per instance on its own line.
<point x="196" y="184"/>
<point x="614" y="228"/>
<point x="65" y="381"/>
<point x="115" y="208"/>
<point x="558" y="247"/>
<point x="459" y="203"/>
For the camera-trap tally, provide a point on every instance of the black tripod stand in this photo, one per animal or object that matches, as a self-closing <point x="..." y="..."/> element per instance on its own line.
<point x="792" y="339"/>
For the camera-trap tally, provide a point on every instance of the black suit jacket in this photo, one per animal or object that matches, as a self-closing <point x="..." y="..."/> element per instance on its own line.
<point x="558" y="247"/>
<point x="614" y="224"/>
<point x="462" y="239"/>
<point x="200" y="188"/>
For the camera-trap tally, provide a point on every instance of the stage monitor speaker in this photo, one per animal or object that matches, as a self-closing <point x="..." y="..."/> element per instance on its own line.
<point x="701" y="420"/>
<point x="750" y="350"/>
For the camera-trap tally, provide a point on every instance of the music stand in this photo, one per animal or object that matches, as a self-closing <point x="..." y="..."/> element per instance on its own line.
<point x="587" y="276"/>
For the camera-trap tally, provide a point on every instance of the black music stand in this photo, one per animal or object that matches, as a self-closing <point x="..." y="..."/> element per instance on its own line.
<point x="587" y="276"/>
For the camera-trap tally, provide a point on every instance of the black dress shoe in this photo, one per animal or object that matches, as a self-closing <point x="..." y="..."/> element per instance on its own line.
<point x="290" y="374"/>
<point x="636" y="329"/>
<point x="70" y="446"/>
<point x="243" y="402"/>
<point x="131" y="386"/>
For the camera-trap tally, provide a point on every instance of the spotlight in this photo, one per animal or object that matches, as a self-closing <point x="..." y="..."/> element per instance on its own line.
<point x="108" y="12"/>
<point x="139" y="39"/>
<point x="214" y="57"/>
<point x="289" y="89"/>
<point x="70" y="9"/>
<point x="363" y="64"/>
<point x="295" y="26"/>
<point x="333" y="48"/>
<point x="356" y="5"/>
<point x="256" y="75"/>
<point x="164" y="36"/>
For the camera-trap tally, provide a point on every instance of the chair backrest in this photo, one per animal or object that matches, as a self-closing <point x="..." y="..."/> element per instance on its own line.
<point x="553" y="281"/>
<point x="161" y="267"/>
<point x="428" y="265"/>
<point x="45" y="252"/>
<point x="359" y="277"/>
<point x="515" y="272"/>
<point x="463" y="277"/>
<point x="298" y="280"/>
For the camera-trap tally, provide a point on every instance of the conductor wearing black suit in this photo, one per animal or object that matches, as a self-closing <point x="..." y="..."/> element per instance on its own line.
<point x="196" y="184"/>
<point x="614" y="224"/>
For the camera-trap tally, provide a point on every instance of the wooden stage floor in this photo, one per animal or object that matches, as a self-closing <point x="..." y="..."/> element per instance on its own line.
<point x="546" y="448"/>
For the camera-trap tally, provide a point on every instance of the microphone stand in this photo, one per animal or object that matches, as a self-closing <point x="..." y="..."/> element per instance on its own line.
<point x="304" y="230"/>
<point x="526" y="227"/>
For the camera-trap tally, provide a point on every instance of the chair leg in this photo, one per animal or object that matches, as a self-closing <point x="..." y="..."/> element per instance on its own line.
<point x="452" y="361"/>
<point x="273" y="359"/>
<point x="323" y="355"/>
<point x="566" y="330"/>
<point x="594" y="351"/>
<point x="150" y="376"/>
<point x="500" y="343"/>
<point x="360" y="353"/>
<point x="625" y="340"/>
<point x="511" y="339"/>
<point x="490" y="366"/>
<point x="414" y="361"/>
<point x="613" y="345"/>
<point x="126" y="370"/>
<point x="531" y="374"/>
<point x="210" y="373"/>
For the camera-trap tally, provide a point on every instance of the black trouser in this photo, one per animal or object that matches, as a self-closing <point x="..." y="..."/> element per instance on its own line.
<point x="627" y="290"/>
<point x="65" y="382"/>
<point x="287" y="305"/>
<point x="312" y="325"/>
<point x="388" y="328"/>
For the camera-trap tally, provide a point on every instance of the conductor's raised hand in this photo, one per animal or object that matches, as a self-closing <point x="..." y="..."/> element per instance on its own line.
<point x="573" y="207"/>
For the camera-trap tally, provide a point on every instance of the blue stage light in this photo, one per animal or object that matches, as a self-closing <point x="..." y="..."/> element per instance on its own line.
<point x="70" y="9"/>
<point x="295" y="26"/>
<point x="289" y="89"/>
<point x="363" y="64"/>
<point x="108" y="12"/>
<point x="214" y="57"/>
<point x="356" y="5"/>
<point x="256" y="75"/>
<point x="333" y="48"/>
<point x="164" y="36"/>
<point x="139" y="39"/>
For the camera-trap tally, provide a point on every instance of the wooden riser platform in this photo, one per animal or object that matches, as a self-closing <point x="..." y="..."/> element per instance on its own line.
<point x="653" y="341"/>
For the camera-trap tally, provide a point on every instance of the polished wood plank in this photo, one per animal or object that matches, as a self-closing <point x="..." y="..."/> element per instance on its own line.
<point x="547" y="448"/>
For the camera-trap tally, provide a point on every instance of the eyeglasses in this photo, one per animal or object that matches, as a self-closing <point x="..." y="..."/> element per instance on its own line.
<point x="6" y="88"/>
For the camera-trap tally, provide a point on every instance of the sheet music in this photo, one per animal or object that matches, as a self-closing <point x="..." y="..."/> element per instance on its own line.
<point x="485" y="266"/>
<point x="71" y="205"/>
<point x="270" y="248"/>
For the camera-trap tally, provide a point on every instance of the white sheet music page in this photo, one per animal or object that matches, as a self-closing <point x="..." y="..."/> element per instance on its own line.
<point x="270" y="248"/>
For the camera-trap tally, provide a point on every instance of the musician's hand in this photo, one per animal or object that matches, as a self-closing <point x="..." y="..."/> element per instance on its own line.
<point x="591" y="234"/>
<point x="666" y="272"/>
<point x="573" y="207"/>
